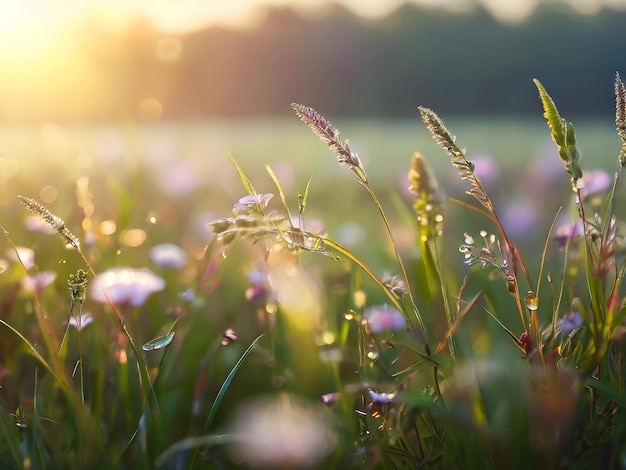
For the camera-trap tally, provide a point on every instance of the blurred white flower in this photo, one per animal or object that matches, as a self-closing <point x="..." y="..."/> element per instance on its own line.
<point x="168" y="255"/>
<point x="80" y="322"/>
<point x="34" y="223"/>
<point x="282" y="432"/>
<point x="26" y="255"/>
<point x="383" y="318"/>
<point x="126" y="286"/>
<point x="37" y="282"/>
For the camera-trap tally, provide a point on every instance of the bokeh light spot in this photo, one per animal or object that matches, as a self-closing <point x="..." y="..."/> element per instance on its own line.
<point x="48" y="194"/>
<point x="108" y="227"/>
<point x="133" y="237"/>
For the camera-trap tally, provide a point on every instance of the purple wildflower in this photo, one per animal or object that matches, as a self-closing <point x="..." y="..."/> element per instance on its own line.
<point x="384" y="318"/>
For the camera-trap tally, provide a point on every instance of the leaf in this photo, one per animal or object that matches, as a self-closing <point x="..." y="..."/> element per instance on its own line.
<point x="159" y="342"/>
<point x="247" y="184"/>
<point x="280" y="189"/>
<point x="555" y="122"/>
<point x="562" y="133"/>
<point x="303" y="196"/>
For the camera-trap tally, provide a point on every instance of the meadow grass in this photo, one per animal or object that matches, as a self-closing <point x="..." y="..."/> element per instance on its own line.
<point x="200" y="311"/>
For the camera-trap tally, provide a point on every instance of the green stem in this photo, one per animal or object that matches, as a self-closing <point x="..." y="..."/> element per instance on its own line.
<point x="399" y="259"/>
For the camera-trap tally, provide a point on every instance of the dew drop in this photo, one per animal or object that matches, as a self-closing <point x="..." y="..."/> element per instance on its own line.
<point x="62" y="261"/>
<point x="118" y="252"/>
<point x="532" y="302"/>
<point x="349" y="315"/>
<point x="424" y="238"/>
<point x="373" y="355"/>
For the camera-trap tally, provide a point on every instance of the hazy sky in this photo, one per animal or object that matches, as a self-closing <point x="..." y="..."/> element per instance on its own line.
<point x="183" y="15"/>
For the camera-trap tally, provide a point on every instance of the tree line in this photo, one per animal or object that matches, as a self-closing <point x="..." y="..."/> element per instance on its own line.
<point x="342" y="64"/>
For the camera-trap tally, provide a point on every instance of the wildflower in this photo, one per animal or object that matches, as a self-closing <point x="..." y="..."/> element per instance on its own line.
<point x="380" y="403"/>
<point x="384" y="318"/>
<point x="487" y="169"/>
<point x="168" y="255"/>
<point x="567" y="232"/>
<point x="126" y="286"/>
<point x="570" y="322"/>
<point x="80" y="321"/>
<point x="519" y="218"/>
<point x="39" y="281"/>
<point x="395" y="284"/>
<point x="51" y="219"/>
<point x="252" y="204"/>
<point x="330" y="399"/>
<point x="259" y="289"/>
<point x="282" y="432"/>
<point x="188" y="295"/>
<point x="594" y="182"/>
<point x="229" y="336"/>
<point x="23" y="254"/>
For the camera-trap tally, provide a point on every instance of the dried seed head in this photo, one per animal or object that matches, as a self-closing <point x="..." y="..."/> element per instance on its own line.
<point x="51" y="219"/>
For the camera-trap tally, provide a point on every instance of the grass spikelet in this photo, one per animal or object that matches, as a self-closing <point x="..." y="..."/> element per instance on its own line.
<point x="562" y="133"/>
<point x="325" y="131"/>
<point x="620" y="107"/>
<point x="464" y="166"/>
<point x="620" y="116"/>
<point x="51" y="219"/>
<point x="428" y="202"/>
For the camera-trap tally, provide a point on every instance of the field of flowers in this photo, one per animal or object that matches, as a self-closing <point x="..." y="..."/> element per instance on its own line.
<point x="254" y="304"/>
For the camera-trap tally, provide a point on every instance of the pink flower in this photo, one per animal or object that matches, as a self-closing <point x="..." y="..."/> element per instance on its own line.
<point x="126" y="286"/>
<point x="568" y="231"/>
<point x="384" y="318"/>
<point x="595" y="181"/>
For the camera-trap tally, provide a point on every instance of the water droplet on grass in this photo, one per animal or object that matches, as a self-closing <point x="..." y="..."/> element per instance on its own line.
<point x="532" y="302"/>
<point x="159" y="343"/>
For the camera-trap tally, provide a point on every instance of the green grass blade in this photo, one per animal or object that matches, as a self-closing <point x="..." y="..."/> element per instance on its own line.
<point x="226" y="384"/>
<point x="247" y="184"/>
<point x="9" y="439"/>
<point x="222" y="392"/>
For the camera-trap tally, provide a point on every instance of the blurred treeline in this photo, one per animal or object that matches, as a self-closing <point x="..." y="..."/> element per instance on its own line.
<point x="342" y="64"/>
